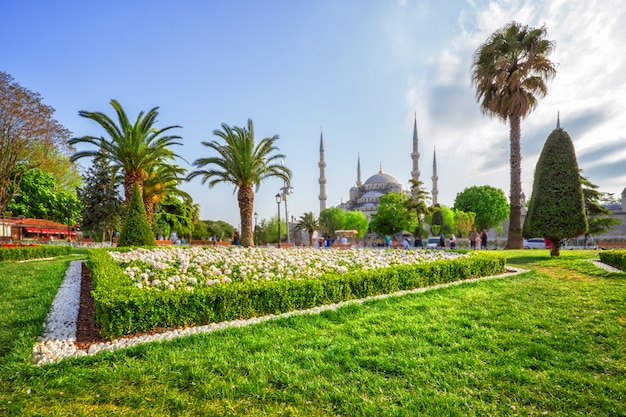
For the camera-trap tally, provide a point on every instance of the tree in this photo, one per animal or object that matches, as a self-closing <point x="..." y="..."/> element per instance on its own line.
<point x="332" y="219"/>
<point x="356" y="220"/>
<point x="39" y="198"/>
<point x="136" y="230"/>
<point x="392" y="215"/>
<point x="464" y="221"/>
<point x="599" y="218"/>
<point x="103" y="208"/>
<point x="270" y="229"/>
<point x="220" y="229"/>
<point x="417" y="204"/>
<point x="489" y="204"/>
<point x="557" y="206"/>
<point x="133" y="149"/>
<point x="510" y="71"/>
<point x="162" y="181"/>
<point x="29" y="136"/>
<point x="436" y="221"/>
<point x="174" y="214"/>
<point x="243" y="163"/>
<point x="309" y="223"/>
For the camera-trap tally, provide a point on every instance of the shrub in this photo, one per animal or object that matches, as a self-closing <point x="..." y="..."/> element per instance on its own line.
<point x="615" y="258"/>
<point x="136" y="230"/>
<point x="19" y="252"/>
<point x="122" y="308"/>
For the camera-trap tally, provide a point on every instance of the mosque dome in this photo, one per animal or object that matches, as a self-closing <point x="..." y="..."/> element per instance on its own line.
<point x="381" y="178"/>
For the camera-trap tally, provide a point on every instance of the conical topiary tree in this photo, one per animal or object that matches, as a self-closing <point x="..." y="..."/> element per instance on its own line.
<point x="136" y="230"/>
<point x="557" y="206"/>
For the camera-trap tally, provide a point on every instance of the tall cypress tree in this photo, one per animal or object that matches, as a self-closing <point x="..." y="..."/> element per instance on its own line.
<point x="557" y="205"/>
<point x="136" y="230"/>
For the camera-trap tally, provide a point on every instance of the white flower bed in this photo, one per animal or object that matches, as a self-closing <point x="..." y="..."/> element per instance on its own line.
<point x="174" y="268"/>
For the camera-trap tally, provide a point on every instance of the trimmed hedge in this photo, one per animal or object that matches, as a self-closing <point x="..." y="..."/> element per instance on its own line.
<point x="122" y="308"/>
<point x="615" y="258"/>
<point x="24" y="253"/>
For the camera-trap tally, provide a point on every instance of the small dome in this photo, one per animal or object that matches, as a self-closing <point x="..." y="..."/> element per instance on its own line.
<point x="372" y="194"/>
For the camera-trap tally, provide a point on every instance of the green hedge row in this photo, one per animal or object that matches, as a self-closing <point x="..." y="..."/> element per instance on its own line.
<point x="122" y="308"/>
<point x="615" y="258"/>
<point x="33" y="252"/>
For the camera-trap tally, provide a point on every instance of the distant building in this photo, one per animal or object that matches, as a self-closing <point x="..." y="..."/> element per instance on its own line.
<point x="364" y="196"/>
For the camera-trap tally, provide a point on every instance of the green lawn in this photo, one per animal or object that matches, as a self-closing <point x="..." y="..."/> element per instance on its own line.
<point x="551" y="341"/>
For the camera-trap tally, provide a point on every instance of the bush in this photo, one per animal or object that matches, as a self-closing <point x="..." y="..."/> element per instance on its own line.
<point x="122" y="308"/>
<point x="615" y="258"/>
<point x="136" y="230"/>
<point x="23" y="252"/>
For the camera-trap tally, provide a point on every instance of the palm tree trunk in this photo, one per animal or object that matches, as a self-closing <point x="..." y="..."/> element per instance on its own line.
<point x="245" y="197"/>
<point x="514" y="239"/>
<point x="149" y="210"/>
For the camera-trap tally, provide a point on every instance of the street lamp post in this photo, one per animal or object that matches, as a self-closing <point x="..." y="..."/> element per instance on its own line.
<point x="256" y="216"/>
<point x="278" y="198"/>
<point x="286" y="190"/>
<point x="393" y="224"/>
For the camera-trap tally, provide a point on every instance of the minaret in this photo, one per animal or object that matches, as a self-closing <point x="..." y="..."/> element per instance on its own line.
<point x="434" y="178"/>
<point x="322" y="179"/>
<point x="358" y="171"/>
<point x="415" y="155"/>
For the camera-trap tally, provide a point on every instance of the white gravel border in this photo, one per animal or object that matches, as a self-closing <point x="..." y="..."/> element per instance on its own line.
<point x="59" y="335"/>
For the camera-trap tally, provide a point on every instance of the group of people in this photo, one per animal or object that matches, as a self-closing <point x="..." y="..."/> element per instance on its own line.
<point x="474" y="237"/>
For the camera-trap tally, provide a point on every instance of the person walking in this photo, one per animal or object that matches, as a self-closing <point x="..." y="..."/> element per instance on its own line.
<point x="452" y="241"/>
<point x="473" y="235"/>
<point x="442" y="241"/>
<point x="483" y="239"/>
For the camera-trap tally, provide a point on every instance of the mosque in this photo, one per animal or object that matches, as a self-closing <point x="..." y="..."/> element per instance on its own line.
<point x="364" y="196"/>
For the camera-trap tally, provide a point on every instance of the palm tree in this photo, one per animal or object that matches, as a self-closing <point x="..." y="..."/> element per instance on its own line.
<point x="130" y="148"/>
<point x="243" y="163"/>
<point x="310" y="223"/>
<point x="510" y="71"/>
<point x="161" y="181"/>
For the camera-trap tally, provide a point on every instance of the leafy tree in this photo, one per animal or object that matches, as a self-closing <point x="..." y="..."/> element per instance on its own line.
<point x="418" y="204"/>
<point x="464" y="221"/>
<point x="309" y="223"/>
<point x="332" y="219"/>
<point x="29" y="136"/>
<point x="136" y="230"/>
<point x="243" y="163"/>
<point x="510" y="71"/>
<point x="489" y="204"/>
<point x="557" y="206"/>
<point x="39" y="198"/>
<point x="392" y="215"/>
<point x="356" y="220"/>
<point x="133" y="149"/>
<point x="200" y="231"/>
<point x="162" y="181"/>
<point x="103" y="208"/>
<point x="220" y="229"/>
<point x="599" y="218"/>
<point x="173" y="214"/>
<point x="271" y="230"/>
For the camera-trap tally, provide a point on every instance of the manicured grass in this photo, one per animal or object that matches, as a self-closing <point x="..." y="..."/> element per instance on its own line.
<point x="547" y="342"/>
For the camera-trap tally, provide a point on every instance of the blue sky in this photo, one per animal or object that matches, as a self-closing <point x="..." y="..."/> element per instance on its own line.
<point x="359" y="70"/>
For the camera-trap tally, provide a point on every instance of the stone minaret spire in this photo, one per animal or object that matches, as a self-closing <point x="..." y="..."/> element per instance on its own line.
<point x="322" y="179"/>
<point x="415" y="155"/>
<point x="435" y="191"/>
<point x="358" y="171"/>
<point x="558" y="120"/>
